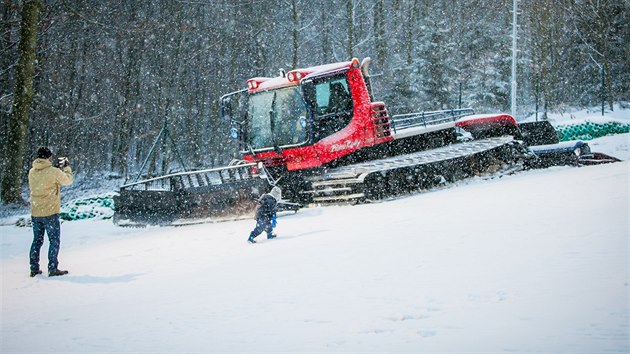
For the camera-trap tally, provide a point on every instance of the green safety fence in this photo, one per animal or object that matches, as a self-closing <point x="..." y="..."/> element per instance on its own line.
<point x="590" y="130"/>
<point x="98" y="207"/>
<point x="101" y="207"/>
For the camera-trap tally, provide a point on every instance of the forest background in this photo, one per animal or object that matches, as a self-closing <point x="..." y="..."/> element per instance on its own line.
<point x="108" y="74"/>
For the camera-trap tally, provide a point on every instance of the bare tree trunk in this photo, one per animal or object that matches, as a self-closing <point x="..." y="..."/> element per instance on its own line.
<point x="326" y="50"/>
<point x="379" y="31"/>
<point x="295" y="33"/>
<point x="350" y="28"/>
<point x="411" y="24"/>
<point x="607" y="73"/>
<point x="126" y="111"/>
<point x="542" y="47"/>
<point x="125" y="115"/>
<point x="7" y="59"/>
<point x="12" y="179"/>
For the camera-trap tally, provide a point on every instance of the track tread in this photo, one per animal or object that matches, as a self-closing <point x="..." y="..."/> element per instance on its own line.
<point x="349" y="182"/>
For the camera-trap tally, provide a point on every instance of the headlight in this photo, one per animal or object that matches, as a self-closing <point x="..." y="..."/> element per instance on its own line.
<point x="234" y="133"/>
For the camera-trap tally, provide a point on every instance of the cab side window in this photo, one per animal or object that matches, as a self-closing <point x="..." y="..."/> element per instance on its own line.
<point x="334" y="106"/>
<point x="339" y="100"/>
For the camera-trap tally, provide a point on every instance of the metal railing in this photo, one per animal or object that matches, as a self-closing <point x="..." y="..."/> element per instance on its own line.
<point x="194" y="179"/>
<point x="426" y="119"/>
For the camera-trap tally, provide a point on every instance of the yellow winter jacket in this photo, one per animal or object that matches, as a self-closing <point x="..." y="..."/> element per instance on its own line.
<point x="45" y="181"/>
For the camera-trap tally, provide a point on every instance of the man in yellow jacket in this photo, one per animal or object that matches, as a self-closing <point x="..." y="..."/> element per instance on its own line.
<point x="45" y="181"/>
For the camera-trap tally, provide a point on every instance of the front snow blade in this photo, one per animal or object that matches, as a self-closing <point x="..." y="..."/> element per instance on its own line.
<point x="206" y="194"/>
<point x="596" y="158"/>
<point x="284" y="205"/>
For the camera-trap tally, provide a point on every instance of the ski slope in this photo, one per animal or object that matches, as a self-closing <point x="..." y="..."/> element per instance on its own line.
<point x="534" y="262"/>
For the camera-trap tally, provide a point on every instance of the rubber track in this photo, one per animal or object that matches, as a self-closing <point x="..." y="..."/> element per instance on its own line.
<point x="354" y="182"/>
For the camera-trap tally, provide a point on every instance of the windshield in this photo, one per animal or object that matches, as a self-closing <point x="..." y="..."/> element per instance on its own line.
<point x="285" y="125"/>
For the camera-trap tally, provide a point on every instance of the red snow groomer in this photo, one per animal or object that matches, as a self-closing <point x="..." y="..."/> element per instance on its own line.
<point x="321" y="136"/>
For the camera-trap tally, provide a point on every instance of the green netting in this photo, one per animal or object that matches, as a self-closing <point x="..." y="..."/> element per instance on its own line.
<point x="590" y="130"/>
<point x="101" y="207"/>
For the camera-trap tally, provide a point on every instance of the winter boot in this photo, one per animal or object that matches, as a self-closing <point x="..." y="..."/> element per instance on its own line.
<point x="57" y="272"/>
<point x="35" y="272"/>
<point x="251" y="240"/>
<point x="270" y="236"/>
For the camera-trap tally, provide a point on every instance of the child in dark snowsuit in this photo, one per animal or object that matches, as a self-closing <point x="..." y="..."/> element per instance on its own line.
<point x="265" y="213"/>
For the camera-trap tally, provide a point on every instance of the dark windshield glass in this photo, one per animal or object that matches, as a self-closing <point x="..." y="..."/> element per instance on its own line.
<point x="285" y="125"/>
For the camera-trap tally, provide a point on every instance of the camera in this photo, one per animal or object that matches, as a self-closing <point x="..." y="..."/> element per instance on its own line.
<point x="62" y="162"/>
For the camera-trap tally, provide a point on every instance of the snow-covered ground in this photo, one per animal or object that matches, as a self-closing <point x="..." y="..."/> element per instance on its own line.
<point x="534" y="262"/>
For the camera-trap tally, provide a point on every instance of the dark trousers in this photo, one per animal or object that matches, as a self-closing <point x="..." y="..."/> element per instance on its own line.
<point x="50" y="225"/>
<point x="261" y="225"/>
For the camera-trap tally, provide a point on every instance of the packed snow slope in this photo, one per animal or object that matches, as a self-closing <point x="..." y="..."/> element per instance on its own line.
<point x="535" y="262"/>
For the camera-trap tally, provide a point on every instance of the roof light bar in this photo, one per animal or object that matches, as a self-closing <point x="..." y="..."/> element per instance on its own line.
<point x="296" y="75"/>
<point x="254" y="83"/>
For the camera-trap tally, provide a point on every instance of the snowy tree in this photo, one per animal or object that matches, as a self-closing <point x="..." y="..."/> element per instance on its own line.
<point x="18" y="123"/>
